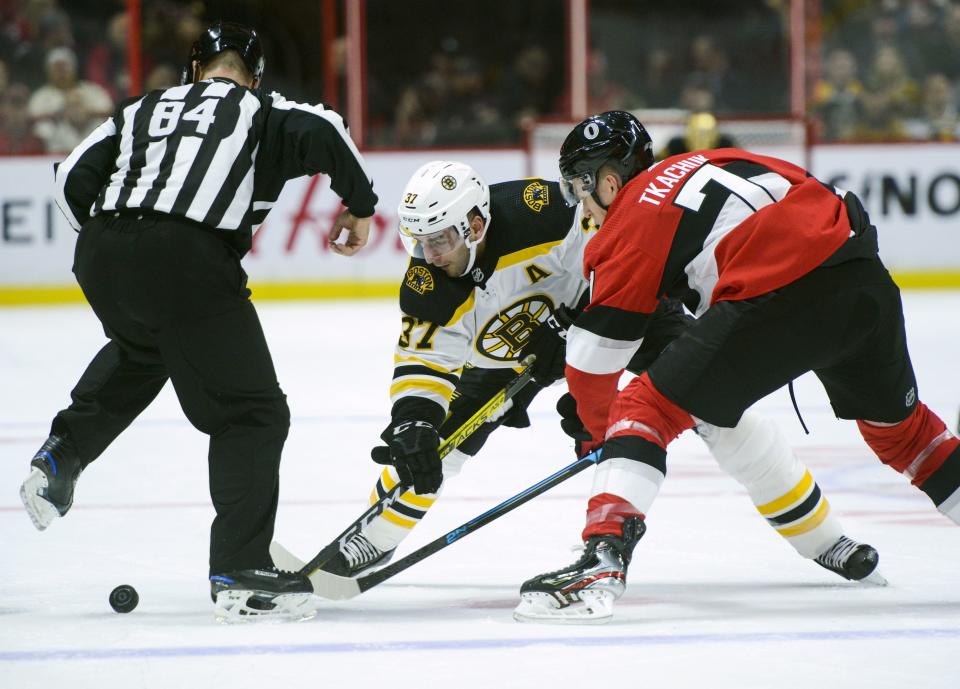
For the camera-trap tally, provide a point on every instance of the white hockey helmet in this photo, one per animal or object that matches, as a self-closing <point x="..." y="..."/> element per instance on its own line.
<point x="435" y="206"/>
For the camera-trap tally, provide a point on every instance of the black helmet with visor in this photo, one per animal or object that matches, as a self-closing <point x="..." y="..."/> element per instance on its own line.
<point x="615" y="138"/>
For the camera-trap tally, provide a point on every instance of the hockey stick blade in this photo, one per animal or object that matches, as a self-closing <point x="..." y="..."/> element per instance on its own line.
<point x="284" y="559"/>
<point x="335" y="587"/>
<point x="480" y="417"/>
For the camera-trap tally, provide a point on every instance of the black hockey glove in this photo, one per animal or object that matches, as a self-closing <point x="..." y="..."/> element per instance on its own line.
<point x="572" y="425"/>
<point x="413" y="447"/>
<point x="549" y="344"/>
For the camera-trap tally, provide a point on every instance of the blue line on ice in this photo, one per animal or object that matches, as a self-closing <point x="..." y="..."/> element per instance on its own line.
<point x="479" y="644"/>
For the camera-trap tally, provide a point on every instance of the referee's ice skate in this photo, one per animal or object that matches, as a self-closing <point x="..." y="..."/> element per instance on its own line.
<point x="47" y="493"/>
<point x="585" y="591"/>
<point x="262" y="594"/>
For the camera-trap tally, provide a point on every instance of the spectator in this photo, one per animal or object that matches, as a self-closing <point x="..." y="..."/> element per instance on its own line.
<point x="946" y="59"/>
<point x="890" y="96"/>
<point x="709" y="68"/>
<point x="415" y="115"/>
<point x="837" y="98"/>
<point x="938" y="120"/>
<point x="658" y="87"/>
<point x="163" y="76"/>
<point x="64" y="103"/>
<point x="530" y="90"/>
<point x="921" y="38"/>
<point x="16" y="128"/>
<point x="701" y="132"/>
<point x="604" y="93"/>
<point x="467" y="115"/>
<point x="41" y="26"/>
<point x="107" y="63"/>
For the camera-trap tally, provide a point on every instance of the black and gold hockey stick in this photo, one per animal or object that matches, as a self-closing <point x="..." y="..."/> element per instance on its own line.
<point x="285" y="560"/>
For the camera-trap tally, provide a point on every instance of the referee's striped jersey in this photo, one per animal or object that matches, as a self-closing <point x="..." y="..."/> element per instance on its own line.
<point x="213" y="152"/>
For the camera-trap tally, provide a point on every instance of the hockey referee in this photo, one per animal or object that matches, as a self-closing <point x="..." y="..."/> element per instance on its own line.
<point x="166" y="196"/>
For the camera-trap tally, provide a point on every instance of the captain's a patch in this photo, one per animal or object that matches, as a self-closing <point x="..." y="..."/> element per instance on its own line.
<point x="419" y="279"/>
<point x="536" y="196"/>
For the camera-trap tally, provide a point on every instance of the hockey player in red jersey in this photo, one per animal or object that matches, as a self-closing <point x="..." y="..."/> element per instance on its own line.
<point x="783" y="273"/>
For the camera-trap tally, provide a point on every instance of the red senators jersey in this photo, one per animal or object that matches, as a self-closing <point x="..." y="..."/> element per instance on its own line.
<point x="706" y="226"/>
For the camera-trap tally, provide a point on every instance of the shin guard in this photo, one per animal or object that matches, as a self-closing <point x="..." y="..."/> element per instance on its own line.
<point x="921" y="448"/>
<point x="758" y="456"/>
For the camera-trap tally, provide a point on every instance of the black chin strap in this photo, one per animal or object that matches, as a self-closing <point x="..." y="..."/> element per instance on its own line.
<point x="600" y="203"/>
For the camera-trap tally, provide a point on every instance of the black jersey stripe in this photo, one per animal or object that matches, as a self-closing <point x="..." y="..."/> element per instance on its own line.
<point x="613" y="322"/>
<point x="125" y="121"/>
<point x="417" y="370"/>
<point x="804" y="509"/>
<point x="407" y="510"/>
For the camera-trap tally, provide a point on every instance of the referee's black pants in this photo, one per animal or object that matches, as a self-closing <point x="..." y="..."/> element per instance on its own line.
<point x="172" y="298"/>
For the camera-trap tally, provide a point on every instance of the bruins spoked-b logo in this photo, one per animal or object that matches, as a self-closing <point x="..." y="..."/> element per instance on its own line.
<point x="505" y="334"/>
<point x="448" y="182"/>
<point x="536" y="196"/>
<point x="419" y="279"/>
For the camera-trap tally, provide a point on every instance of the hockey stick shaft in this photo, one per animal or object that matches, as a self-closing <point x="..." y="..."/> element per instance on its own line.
<point x="335" y="587"/>
<point x="480" y="417"/>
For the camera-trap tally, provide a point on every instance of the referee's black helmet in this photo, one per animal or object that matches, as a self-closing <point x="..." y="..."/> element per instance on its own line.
<point x="226" y="36"/>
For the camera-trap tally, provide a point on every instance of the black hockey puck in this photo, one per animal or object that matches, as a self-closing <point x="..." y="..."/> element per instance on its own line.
<point x="124" y="598"/>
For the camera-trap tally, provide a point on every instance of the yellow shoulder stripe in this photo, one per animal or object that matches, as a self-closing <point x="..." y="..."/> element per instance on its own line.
<point x="464" y="308"/>
<point x="525" y="254"/>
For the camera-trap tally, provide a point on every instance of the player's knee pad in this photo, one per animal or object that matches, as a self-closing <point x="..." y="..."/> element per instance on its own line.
<point x="917" y="446"/>
<point x="754" y="452"/>
<point x="642" y="410"/>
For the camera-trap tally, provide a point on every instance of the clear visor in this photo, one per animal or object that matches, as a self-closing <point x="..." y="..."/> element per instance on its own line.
<point x="577" y="187"/>
<point x="433" y="246"/>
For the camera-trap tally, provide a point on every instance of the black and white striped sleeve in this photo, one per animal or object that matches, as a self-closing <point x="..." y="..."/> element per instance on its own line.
<point x="311" y="139"/>
<point x="81" y="177"/>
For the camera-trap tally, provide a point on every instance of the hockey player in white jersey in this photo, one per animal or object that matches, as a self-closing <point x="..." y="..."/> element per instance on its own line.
<point x="494" y="274"/>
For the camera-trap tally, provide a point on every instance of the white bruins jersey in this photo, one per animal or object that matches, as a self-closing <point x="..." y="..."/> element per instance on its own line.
<point x="531" y="264"/>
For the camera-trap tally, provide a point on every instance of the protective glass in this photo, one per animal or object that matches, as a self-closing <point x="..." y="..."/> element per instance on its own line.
<point x="577" y="187"/>
<point x="434" y="246"/>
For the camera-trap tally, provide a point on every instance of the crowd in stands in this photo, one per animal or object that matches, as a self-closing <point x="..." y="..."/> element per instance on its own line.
<point x="64" y="66"/>
<point x="891" y="72"/>
<point x="885" y="70"/>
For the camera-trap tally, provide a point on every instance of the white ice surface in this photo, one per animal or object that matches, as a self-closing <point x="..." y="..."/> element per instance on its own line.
<point x="716" y="599"/>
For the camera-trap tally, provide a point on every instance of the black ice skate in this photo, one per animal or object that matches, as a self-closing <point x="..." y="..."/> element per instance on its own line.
<point x="853" y="561"/>
<point x="585" y="591"/>
<point x="356" y="557"/>
<point x="48" y="491"/>
<point x="268" y="594"/>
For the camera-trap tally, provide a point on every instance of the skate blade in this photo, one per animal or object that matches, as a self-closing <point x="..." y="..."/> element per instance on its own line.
<point x="594" y="607"/>
<point x="284" y="559"/>
<point x="874" y="579"/>
<point x="236" y="606"/>
<point x="40" y="510"/>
